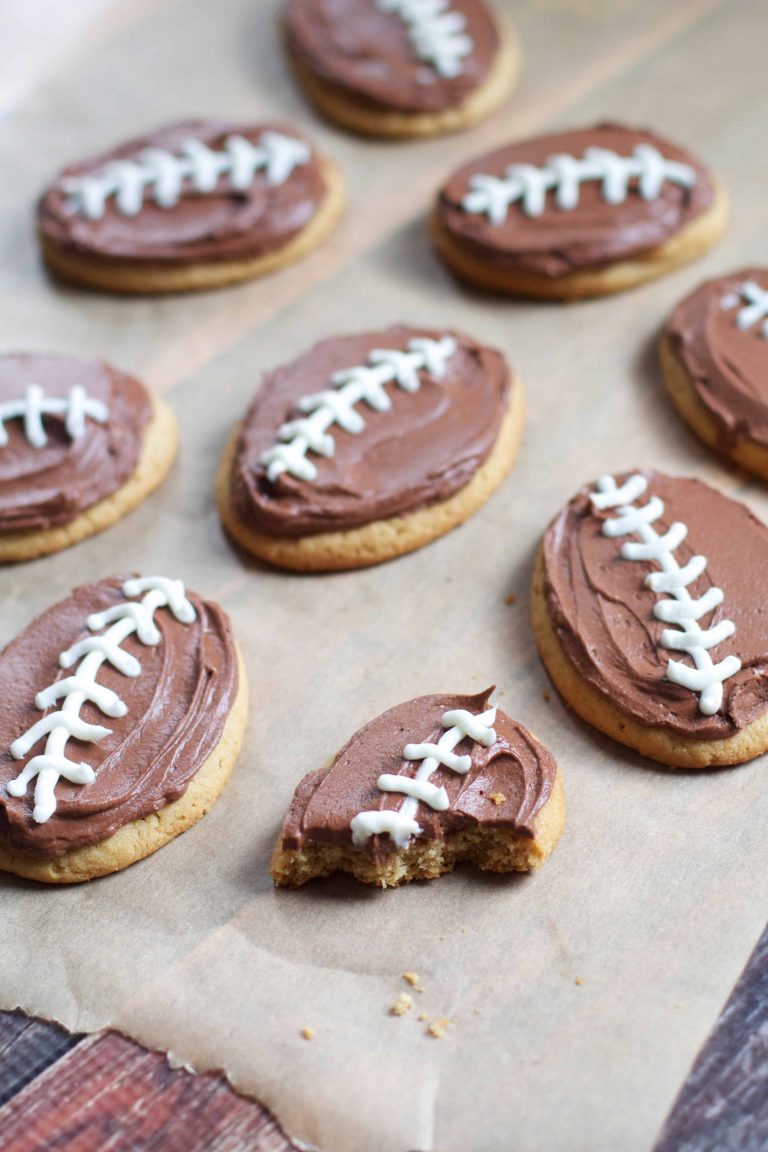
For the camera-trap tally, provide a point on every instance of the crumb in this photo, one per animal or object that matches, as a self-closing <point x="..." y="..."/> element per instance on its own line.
<point x="545" y="696"/>
<point x="497" y="797"/>
<point x="307" y="1033"/>
<point x="511" y="599"/>
<point x="414" y="980"/>
<point x="403" y="1004"/>
<point x="578" y="981"/>
<point x="422" y="1016"/>
<point x="438" y="1027"/>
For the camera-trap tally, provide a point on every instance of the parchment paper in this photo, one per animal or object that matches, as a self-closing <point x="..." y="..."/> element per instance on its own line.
<point x="581" y="994"/>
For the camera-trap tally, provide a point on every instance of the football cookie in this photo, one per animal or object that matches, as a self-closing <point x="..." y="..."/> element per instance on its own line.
<point x="369" y="446"/>
<point x="649" y="612"/>
<point x="576" y="214"/>
<point x="81" y="444"/>
<point x="428" y="784"/>
<point x="122" y="712"/>
<point x="200" y="204"/>
<point x="401" y="67"/>
<point x="714" y="356"/>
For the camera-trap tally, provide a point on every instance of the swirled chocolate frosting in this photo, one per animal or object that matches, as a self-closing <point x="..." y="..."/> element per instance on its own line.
<point x="423" y="450"/>
<point x="506" y="786"/>
<point x="727" y="366"/>
<point x="365" y="53"/>
<point x="223" y="224"/>
<point x="45" y="487"/>
<point x="602" y="611"/>
<point x="176" y="710"/>
<point x="593" y="234"/>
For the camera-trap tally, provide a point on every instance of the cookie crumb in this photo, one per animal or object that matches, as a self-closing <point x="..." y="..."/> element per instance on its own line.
<point x="497" y="798"/>
<point x="422" y="1016"/>
<point x="578" y="981"/>
<point x="545" y="696"/>
<point x="438" y="1027"/>
<point x="308" y="1033"/>
<point x="414" y="980"/>
<point x="403" y="1004"/>
<point x="510" y="599"/>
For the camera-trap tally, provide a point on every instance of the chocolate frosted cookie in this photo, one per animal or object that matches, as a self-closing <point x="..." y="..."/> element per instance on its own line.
<point x="714" y="354"/>
<point x="200" y="204"/>
<point x="428" y="784"/>
<point x="649" y="612"/>
<point x="369" y="446"/>
<point x="81" y="444"/>
<point x="401" y="67"/>
<point x="121" y="715"/>
<point x="576" y="214"/>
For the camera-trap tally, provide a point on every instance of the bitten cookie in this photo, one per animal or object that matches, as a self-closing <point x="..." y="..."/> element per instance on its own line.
<point x="81" y="444"/>
<point x="577" y="214"/>
<point x="428" y="784"/>
<point x="369" y="446"/>
<point x="200" y="204"/>
<point x="649" y="612"/>
<point x="125" y="704"/>
<point x="401" y="67"/>
<point x="714" y="356"/>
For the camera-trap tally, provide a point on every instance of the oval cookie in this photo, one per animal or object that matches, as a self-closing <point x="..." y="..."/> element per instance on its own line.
<point x="649" y="612"/>
<point x="121" y="715"/>
<point x="714" y="355"/>
<point x="81" y="444"/>
<point x="428" y="784"/>
<point x="369" y="446"/>
<point x="199" y="204"/>
<point x="401" y="67"/>
<point x="578" y="213"/>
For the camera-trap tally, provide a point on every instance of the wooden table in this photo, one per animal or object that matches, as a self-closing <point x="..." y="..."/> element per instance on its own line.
<point x="110" y="1092"/>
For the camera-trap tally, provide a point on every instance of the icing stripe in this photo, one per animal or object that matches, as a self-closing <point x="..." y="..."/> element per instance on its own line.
<point x="528" y="185"/>
<point x="706" y="678"/>
<point x="35" y="404"/>
<point x="752" y="302"/>
<point x="400" y="823"/>
<point x="437" y="34"/>
<point x="163" y="175"/>
<point x="336" y="405"/>
<point x="59" y="727"/>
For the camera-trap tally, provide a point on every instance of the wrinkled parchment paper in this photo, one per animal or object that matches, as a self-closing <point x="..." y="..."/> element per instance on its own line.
<point x="581" y="994"/>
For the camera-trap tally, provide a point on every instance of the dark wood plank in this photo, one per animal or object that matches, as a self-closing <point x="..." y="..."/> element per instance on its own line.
<point x="107" y="1094"/>
<point x="724" y="1102"/>
<point x="27" y="1047"/>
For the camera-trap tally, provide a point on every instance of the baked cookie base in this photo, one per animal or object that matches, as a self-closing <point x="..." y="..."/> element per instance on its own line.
<point x="142" y="837"/>
<point x="142" y="278"/>
<point x="673" y="749"/>
<point x="687" y="245"/>
<point x="367" y="120"/>
<point x="158" y="451"/>
<point x="492" y="850"/>
<point x="681" y="388"/>
<point x="382" y="539"/>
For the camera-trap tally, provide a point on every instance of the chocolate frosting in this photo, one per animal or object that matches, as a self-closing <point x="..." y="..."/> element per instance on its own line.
<point x="592" y="234"/>
<point x="728" y="367"/>
<point x="428" y="446"/>
<point x="516" y="770"/>
<point x="177" y="708"/>
<point x="211" y="226"/>
<point x="46" y="487"/>
<point x="602" y="613"/>
<point x="366" y="54"/>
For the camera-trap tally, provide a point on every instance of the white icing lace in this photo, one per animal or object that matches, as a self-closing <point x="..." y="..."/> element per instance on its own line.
<point x="706" y="678"/>
<point x="93" y="651"/>
<point x="35" y="404"/>
<point x="336" y="405"/>
<point x="400" y="823"/>
<point x="564" y="175"/>
<point x="163" y="174"/>
<point x="436" y="33"/>
<point x="754" y="306"/>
